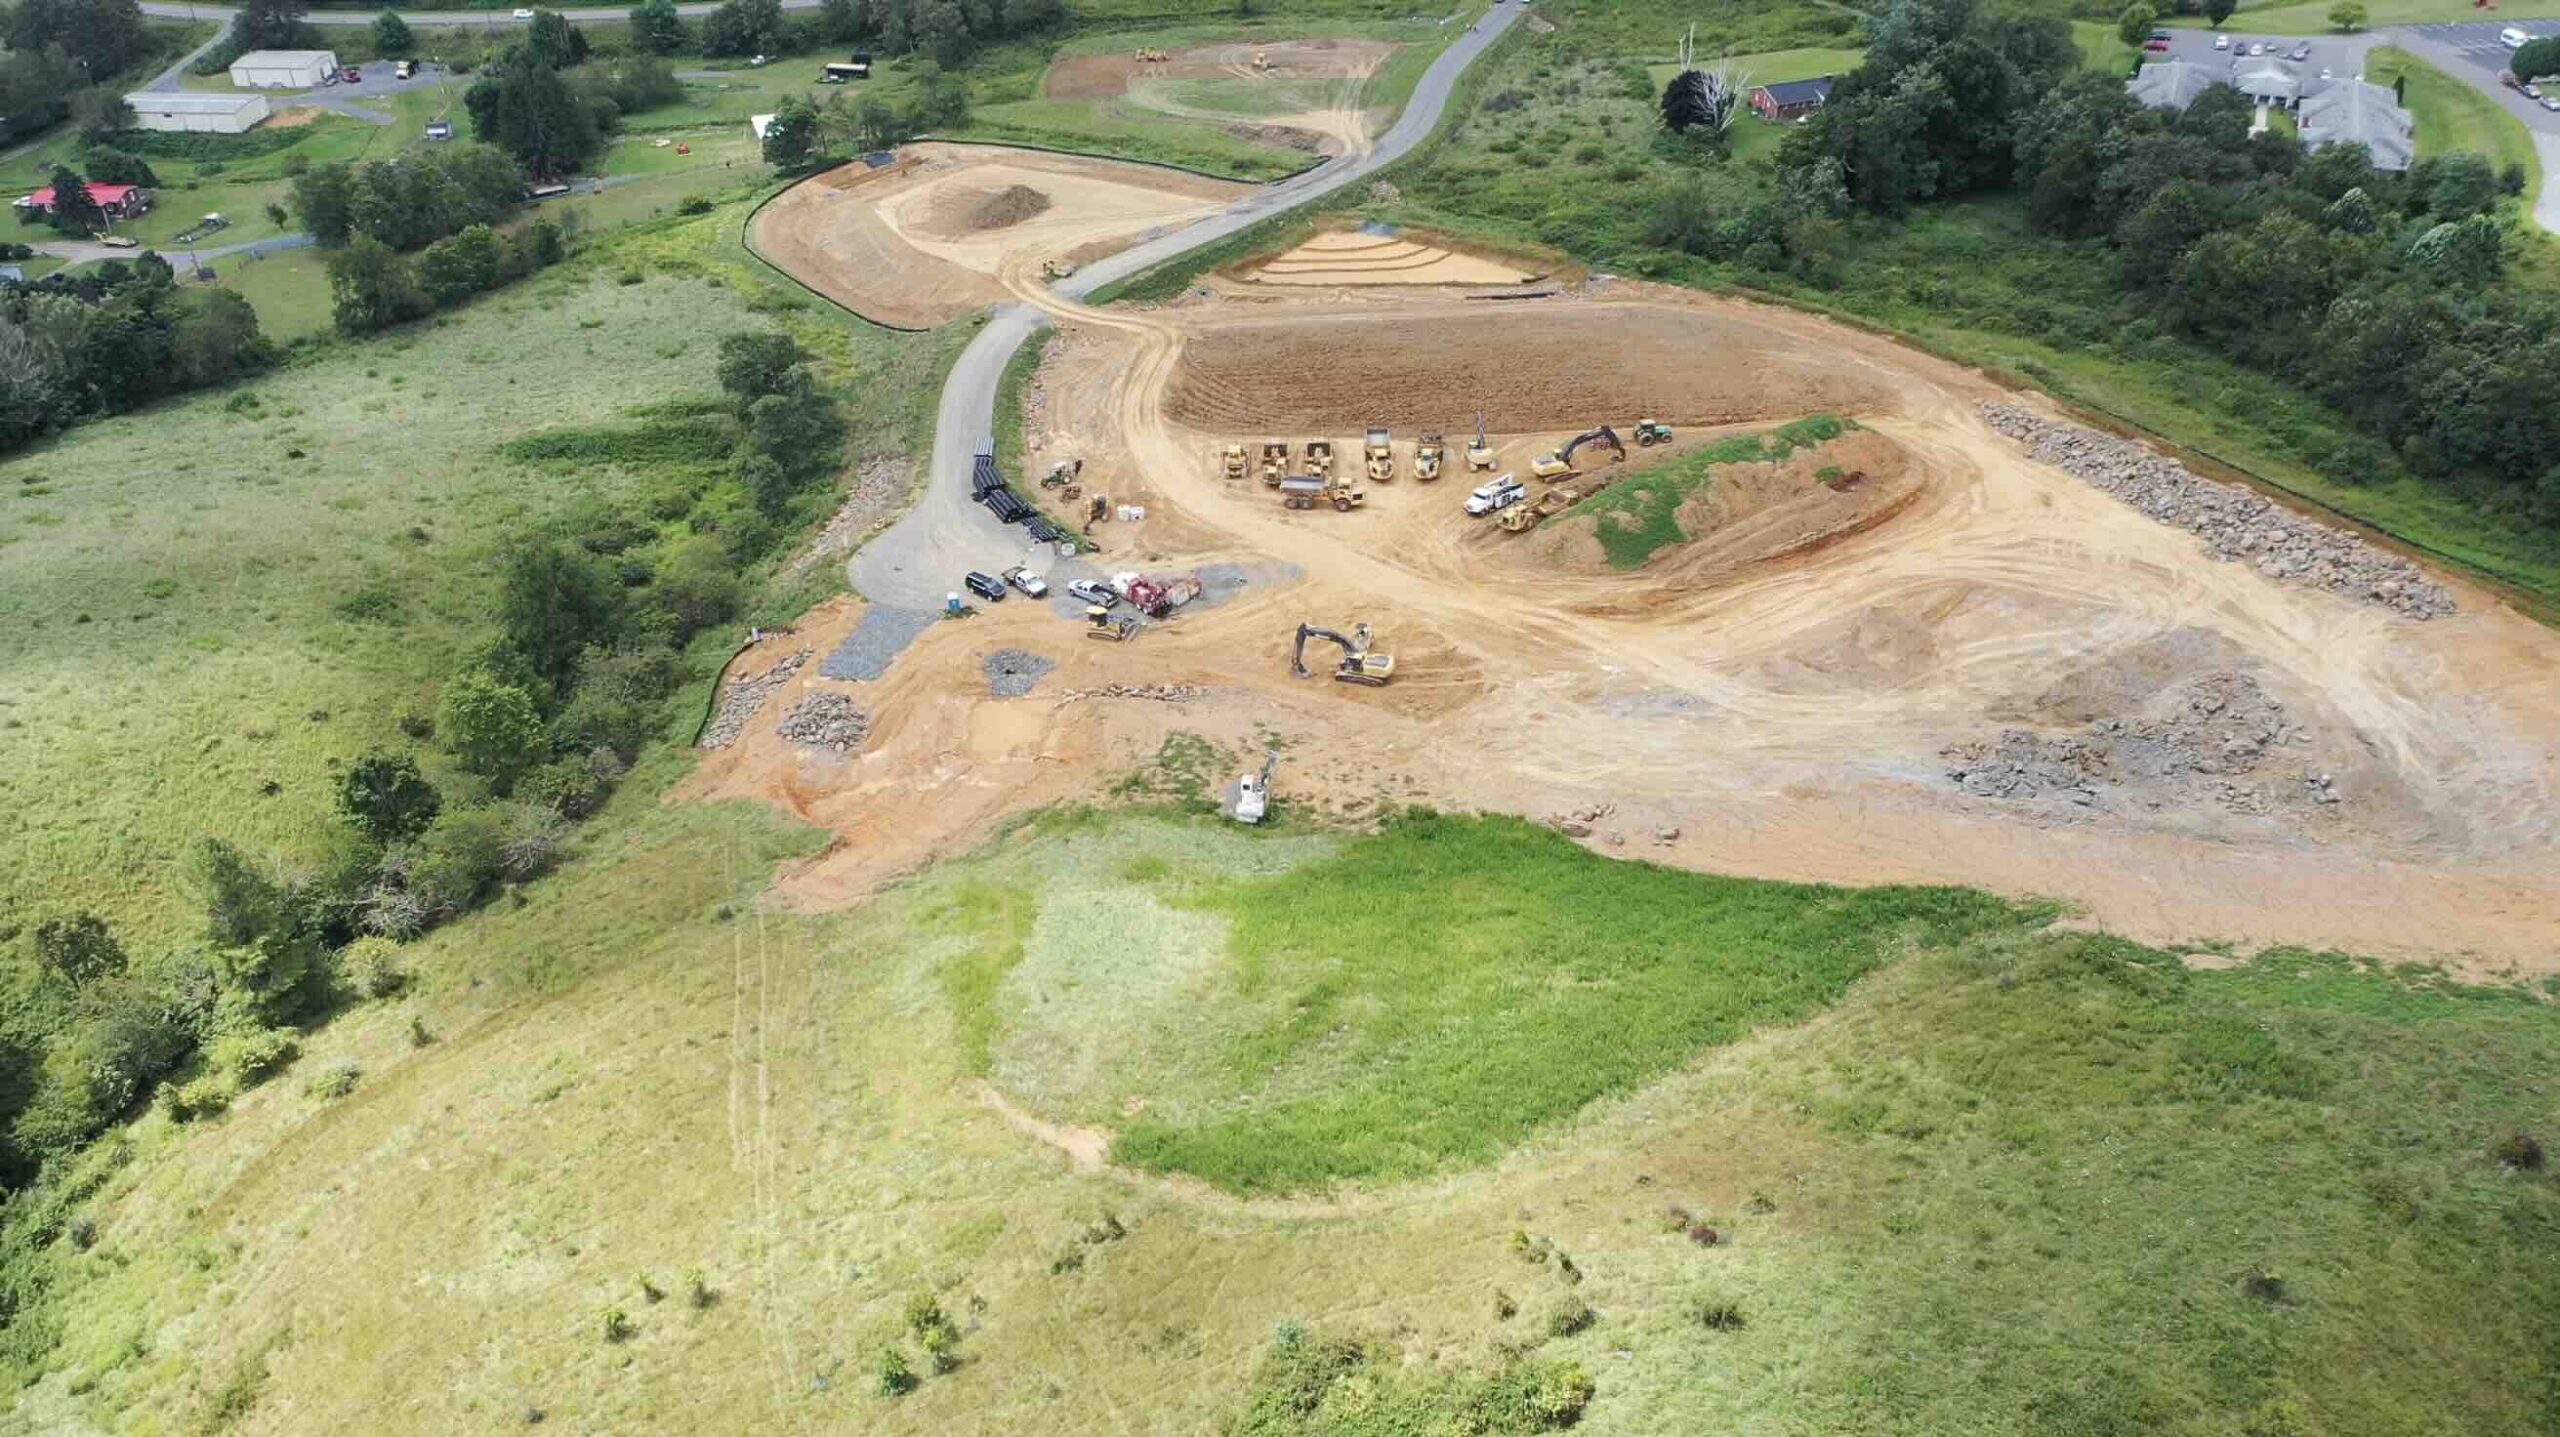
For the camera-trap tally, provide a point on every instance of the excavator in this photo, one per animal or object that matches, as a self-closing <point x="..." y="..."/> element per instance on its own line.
<point x="1378" y="452"/>
<point x="1358" y="665"/>
<point x="1426" y="456"/>
<point x="1560" y="463"/>
<point x="1479" y="454"/>
<point x="1275" y="461"/>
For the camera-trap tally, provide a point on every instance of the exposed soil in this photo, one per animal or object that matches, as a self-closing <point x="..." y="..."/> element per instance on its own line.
<point x="928" y="240"/>
<point x="2272" y="762"/>
<point x="1097" y="77"/>
<point x="1353" y="258"/>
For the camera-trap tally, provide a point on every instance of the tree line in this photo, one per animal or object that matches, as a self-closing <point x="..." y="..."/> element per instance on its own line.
<point x="63" y="59"/>
<point x="114" y="336"/>
<point x="945" y="30"/>
<point x="2384" y="294"/>
<point x="803" y="131"/>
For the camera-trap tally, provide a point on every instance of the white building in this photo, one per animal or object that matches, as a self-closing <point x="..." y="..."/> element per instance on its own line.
<point x="210" y="112"/>
<point x="283" y="69"/>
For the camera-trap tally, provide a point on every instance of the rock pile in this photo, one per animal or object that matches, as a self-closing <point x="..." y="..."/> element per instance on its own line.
<point x="2236" y="524"/>
<point x="740" y="700"/>
<point x="1159" y="693"/>
<point x="826" y="720"/>
<point x="1011" y="673"/>
<point x="2205" y="740"/>
<point x="1579" y="822"/>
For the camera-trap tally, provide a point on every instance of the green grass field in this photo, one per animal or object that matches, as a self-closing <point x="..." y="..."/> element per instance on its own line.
<point x="185" y="652"/>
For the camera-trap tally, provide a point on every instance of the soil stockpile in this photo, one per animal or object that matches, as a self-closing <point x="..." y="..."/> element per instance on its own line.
<point x="2235" y="523"/>
<point x="1532" y="367"/>
<point x="994" y="211"/>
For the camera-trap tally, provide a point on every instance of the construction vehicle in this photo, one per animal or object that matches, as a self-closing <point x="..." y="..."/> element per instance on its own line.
<point x="1306" y="491"/>
<point x="1560" y="463"/>
<point x="1521" y="518"/>
<point x="1231" y="461"/>
<point x="1062" y="473"/>
<point x="1378" y="453"/>
<point x="1253" y="790"/>
<point x="1320" y="458"/>
<point x="1426" y="456"/>
<point x="1479" y="454"/>
<point x="1098" y="624"/>
<point x="1650" y="432"/>
<point x="1495" y="494"/>
<point x="1154" y="57"/>
<point x="1358" y="665"/>
<point x="1275" y="460"/>
<point x="1261" y="60"/>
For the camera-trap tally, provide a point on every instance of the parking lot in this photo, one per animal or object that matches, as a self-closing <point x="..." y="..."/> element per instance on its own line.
<point x="2476" y="41"/>
<point x="2340" y="55"/>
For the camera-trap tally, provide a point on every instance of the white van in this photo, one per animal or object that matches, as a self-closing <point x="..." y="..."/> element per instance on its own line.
<point x="2513" y="38"/>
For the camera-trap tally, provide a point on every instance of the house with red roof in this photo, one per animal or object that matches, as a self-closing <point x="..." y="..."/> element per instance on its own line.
<point x="121" y="202"/>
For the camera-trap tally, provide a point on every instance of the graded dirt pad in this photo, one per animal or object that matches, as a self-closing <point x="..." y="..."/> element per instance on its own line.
<point x="1541" y="366"/>
<point x="1096" y="77"/>
<point x="1354" y="258"/>
<point x="939" y="235"/>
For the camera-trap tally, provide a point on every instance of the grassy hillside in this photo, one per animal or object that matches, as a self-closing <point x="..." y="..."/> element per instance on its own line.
<point x="208" y="605"/>
<point x="2021" y="1181"/>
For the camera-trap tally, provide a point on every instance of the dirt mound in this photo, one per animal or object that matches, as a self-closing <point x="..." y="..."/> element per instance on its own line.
<point x="962" y="211"/>
<point x="2215" y="738"/>
<point x="1357" y="258"/>
<point x="1531" y="367"/>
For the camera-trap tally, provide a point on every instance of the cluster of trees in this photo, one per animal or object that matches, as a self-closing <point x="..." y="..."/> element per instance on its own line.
<point x="947" y="30"/>
<point x="373" y="286"/>
<point x="110" y="337"/>
<point x="62" y="56"/>
<point x="792" y="435"/>
<point x="802" y="131"/>
<point x="410" y="199"/>
<point x="547" y="105"/>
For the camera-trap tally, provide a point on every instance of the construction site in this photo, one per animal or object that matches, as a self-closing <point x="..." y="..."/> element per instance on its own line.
<point x="1905" y="650"/>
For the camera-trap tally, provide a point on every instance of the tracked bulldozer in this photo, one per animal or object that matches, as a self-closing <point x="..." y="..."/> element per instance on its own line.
<point x="1357" y="666"/>
<point x="1099" y="624"/>
<point x="1378" y="456"/>
<point x="1427" y="452"/>
<point x="1275" y="461"/>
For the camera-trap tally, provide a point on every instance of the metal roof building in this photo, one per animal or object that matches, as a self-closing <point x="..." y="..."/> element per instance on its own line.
<point x="283" y="69"/>
<point x="196" y="111"/>
<point x="2354" y="112"/>
<point x="2173" y="84"/>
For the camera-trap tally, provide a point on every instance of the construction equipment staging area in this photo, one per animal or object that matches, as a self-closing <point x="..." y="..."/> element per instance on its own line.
<point x="1318" y="487"/>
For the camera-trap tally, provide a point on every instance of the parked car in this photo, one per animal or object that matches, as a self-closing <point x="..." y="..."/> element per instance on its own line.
<point x="2301" y="52"/>
<point x="2550" y="102"/>
<point x="524" y="14"/>
<point x="2533" y="92"/>
<point x="2156" y="47"/>
<point x="1093" y="593"/>
<point x="2257" y="47"/>
<point x="1031" y="584"/>
<point x="2513" y="38"/>
<point x="351" y="74"/>
<point x="984" y="586"/>
<point x="2222" y="42"/>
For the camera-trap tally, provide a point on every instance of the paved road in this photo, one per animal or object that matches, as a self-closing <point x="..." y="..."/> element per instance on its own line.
<point x="2471" y="51"/>
<point x="921" y="557"/>
<point x="225" y="13"/>
<point x="174" y="78"/>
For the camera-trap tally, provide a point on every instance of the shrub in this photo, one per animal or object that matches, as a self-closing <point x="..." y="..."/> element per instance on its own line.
<point x="942" y="1349"/>
<point x="694" y="205"/>
<point x="252" y="1057"/>
<point x="2519" y="1151"/>
<point x="458" y="864"/>
<point x="492" y="727"/>
<point x="697" y="1291"/>
<point x="386" y="798"/>
<point x="335" y="1081"/>
<point x="617" y="1325"/>
<point x="1716" y="1314"/>
<point x="370" y="967"/>
<point x="1568" y="1315"/>
<point x="205" y="1097"/>
<point x="896" y="1378"/>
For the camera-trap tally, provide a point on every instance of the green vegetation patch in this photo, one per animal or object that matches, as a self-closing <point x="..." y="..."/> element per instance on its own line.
<point x="700" y="434"/>
<point x="1640" y="516"/>
<point x="1343" y="1386"/>
<point x="1431" y="994"/>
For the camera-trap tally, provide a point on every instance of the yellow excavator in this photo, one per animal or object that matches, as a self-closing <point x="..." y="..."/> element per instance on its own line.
<point x="1560" y="463"/>
<point x="1358" y="665"/>
<point x="1479" y="454"/>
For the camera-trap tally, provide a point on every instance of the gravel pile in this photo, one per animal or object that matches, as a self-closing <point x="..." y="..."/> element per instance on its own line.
<point x="740" y="700"/>
<point x="883" y="634"/>
<point x="1011" y="673"/>
<point x="826" y="720"/>
<point x="2235" y="523"/>
<point x="2213" y="738"/>
<point x="1160" y="693"/>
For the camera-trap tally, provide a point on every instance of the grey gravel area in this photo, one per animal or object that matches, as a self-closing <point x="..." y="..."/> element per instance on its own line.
<point x="826" y="720"/>
<point x="1011" y="673"/>
<point x="2236" y="524"/>
<point x="883" y="634"/>
<point x="740" y="699"/>
<point x="1221" y="582"/>
<point x="2217" y="739"/>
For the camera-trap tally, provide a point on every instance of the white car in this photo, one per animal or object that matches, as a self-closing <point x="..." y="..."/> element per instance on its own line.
<point x="524" y="14"/>
<point x="2222" y="42"/>
<point x="2549" y="103"/>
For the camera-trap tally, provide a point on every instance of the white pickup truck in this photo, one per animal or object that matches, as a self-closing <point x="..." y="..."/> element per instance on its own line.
<point x="1495" y="494"/>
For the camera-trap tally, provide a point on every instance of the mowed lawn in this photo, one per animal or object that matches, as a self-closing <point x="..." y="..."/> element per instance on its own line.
<point x="207" y="606"/>
<point x="2452" y="114"/>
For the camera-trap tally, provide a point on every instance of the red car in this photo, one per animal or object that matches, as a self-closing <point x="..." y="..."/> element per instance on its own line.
<point x="351" y="75"/>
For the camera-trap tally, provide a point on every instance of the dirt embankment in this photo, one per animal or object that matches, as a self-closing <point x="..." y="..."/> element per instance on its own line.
<point x="1103" y="77"/>
<point x="1561" y="366"/>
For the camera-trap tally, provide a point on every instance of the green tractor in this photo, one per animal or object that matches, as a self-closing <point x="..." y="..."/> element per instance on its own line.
<point x="1650" y="432"/>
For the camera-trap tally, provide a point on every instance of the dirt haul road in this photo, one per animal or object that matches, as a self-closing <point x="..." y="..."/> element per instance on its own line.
<point x="1812" y="687"/>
